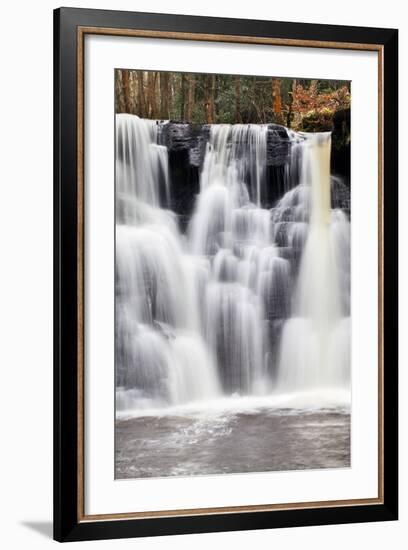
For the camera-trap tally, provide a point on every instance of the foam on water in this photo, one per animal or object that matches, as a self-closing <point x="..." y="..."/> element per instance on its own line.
<point x="279" y="403"/>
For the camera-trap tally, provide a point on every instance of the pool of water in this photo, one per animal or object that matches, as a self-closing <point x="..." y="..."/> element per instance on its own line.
<point x="226" y="442"/>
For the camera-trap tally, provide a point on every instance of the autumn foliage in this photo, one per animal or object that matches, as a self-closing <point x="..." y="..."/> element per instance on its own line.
<point x="313" y="109"/>
<point x="301" y="104"/>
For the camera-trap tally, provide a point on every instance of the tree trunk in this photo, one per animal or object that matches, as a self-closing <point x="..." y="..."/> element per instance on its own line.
<point x="254" y="99"/>
<point x="289" y="115"/>
<point x="217" y="88"/>
<point x="277" y="100"/>
<point x="190" y="97"/>
<point x="183" y="96"/>
<point x="141" y="94"/>
<point x="209" y="98"/>
<point x="132" y="92"/>
<point x="151" y="94"/>
<point x="126" y="90"/>
<point x="171" y="95"/>
<point x="119" y="95"/>
<point x="164" y="96"/>
<point x="212" y="99"/>
<point x="238" y="117"/>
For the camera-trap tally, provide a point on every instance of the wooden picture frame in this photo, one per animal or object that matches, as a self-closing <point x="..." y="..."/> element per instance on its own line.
<point x="71" y="26"/>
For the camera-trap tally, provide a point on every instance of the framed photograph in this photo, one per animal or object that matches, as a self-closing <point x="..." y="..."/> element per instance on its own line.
<point x="225" y="274"/>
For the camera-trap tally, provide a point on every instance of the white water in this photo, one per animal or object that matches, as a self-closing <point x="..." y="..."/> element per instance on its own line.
<point x="319" y="325"/>
<point x="250" y="302"/>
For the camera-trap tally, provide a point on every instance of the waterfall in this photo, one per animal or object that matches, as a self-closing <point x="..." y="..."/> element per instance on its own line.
<point x="161" y="356"/>
<point x="248" y="300"/>
<point x="319" y="324"/>
<point x="237" y="153"/>
<point x="141" y="167"/>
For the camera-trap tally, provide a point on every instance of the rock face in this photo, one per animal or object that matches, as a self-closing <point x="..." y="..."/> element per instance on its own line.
<point x="186" y="144"/>
<point x="178" y="136"/>
<point x="186" y="147"/>
<point x="277" y="145"/>
<point x="340" y="156"/>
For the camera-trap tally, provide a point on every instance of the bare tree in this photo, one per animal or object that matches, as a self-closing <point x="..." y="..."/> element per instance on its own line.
<point x="141" y="94"/>
<point x="190" y="97"/>
<point x="152" y="110"/>
<point x="183" y="96"/>
<point x="164" y="96"/>
<point x="238" y="117"/>
<point x="119" y="95"/>
<point x="126" y="90"/>
<point x="209" y="90"/>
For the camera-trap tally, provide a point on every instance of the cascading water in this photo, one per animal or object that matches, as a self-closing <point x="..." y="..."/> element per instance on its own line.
<point x="250" y="300"/>
<point x="319" y="323"/>
<point x="161" y="356"/>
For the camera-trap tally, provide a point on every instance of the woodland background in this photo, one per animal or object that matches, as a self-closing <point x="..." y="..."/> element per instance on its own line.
<point x="300" y="104"/>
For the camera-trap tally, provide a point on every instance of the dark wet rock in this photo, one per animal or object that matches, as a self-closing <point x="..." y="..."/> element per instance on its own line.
<point x="340" y="194"/>
<point x="184" y="184"/>
<point x="275" y="184"/>
<point x="186" y="144"/>
<point x="183" y="135"/>
<point x="340" y="156"/>
<point x="277" y="145"/>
